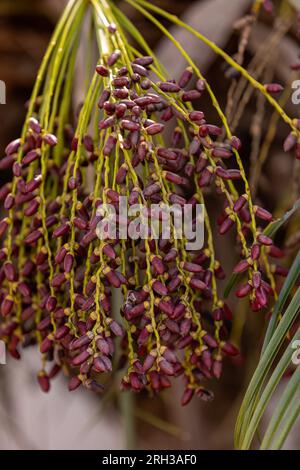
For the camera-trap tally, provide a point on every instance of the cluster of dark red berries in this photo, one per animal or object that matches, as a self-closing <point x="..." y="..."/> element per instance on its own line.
<point x="58" y="279"/>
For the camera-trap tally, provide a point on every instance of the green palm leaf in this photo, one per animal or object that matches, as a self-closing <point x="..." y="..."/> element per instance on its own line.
<point x="264" y="383"/>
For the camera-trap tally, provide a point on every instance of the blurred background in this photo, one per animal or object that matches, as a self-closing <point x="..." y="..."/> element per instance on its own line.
<point x="60" y="420"/>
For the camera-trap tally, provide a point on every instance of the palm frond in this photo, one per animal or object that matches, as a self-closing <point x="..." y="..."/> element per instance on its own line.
<point x="269" y="373"/>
